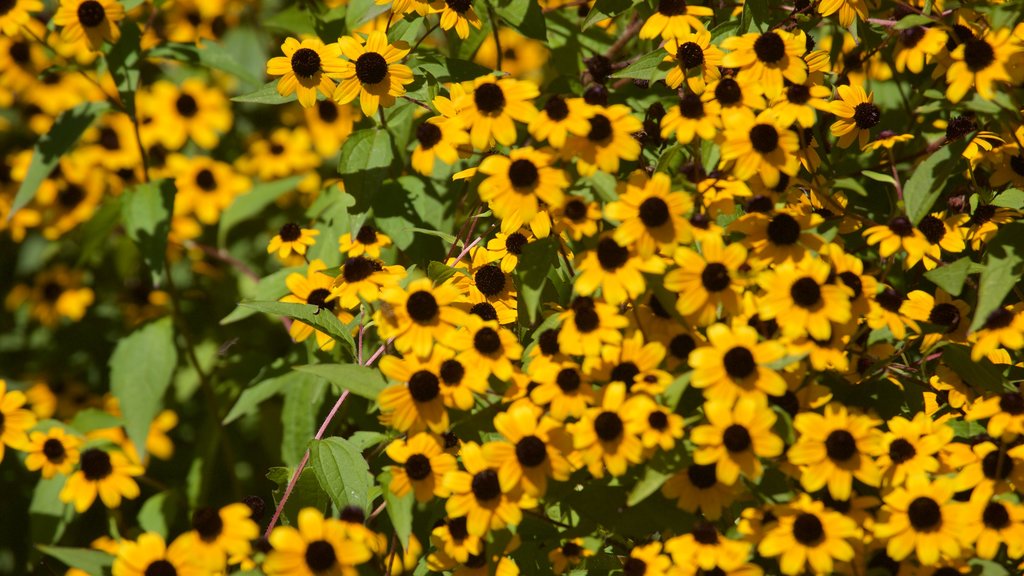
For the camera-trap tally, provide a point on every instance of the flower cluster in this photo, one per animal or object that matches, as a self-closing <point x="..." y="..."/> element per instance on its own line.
<point x="473" y="287"/>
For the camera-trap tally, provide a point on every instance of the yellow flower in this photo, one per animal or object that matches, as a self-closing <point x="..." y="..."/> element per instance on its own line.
<point x="849" y="10"/>
<point x="609" y="140"/>
<point x="316" y="547"/>
<point x="314" y="288"/>
<point x="857" y="115"/>
<point x="917" y="47"/>
<point x="205" y="187"/>
<point x="981" y="62"/>
<point x="367" y="240"/>
<point x="760" y="145"/>
<point x="616" y="270"/>
<point x="673" y="19"/>
<point x="150" y="555"/>
<point x="54" y="452"/>
<point x="18" y="14"/>
<point x="696" y="60"/>
<point x="303" y="69"/>
<point x="735" y="437"/>
<point x="534" y="449"/>
<point x="735" y="364"/>
<point x="458" y="14"/>
<point x="559" y="118"/>
<point x="651" y="215"/>
<point x="692" y="117"/>
<point x="173" y="114"/>
<point x="418" y="316"/>
<point x="56" y="293"/>
<point x="491" y="109"/>
<point x="768" y="59"/>
<point x="14" y="420"/>
<point x="107" y="474"/>
<point x="707" y="280"/>
<point x="438" y="138"/>
<point x="604" y="436"/>
<point x="478" y="495"/>
<point x="220" y="537"/>
<point x="416" y="403"/>
<point x="922" y="517"/>
<point x="517" y="184"/>
<point x="292" y="239"/>
<point x="698" y="488"/>
<point x="423" y="464"/>
<point x="802" y="300"/>
<point x="96" y="20"/>
<point x="371" y="73"/>
<point x="834" y="448"/>
<point x="807" y="534"/>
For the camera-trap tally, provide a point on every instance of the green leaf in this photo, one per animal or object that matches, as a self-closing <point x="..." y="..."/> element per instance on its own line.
<point x="977" y="374"/>
<point x="525" y="16"/>
<point x="66" y="130"/>
<point x="92" y="562"/>
<point x="400" y="512"/>
<point x="951" y="277"/>
<point x="1004" y="266"/>
<point x="878" y="177"/>
<point x="650" y="67"/>
<point x="359" y="380"/>
<point x="365" y="150"/>
<point x="757" y="14"/>
<point x="266" y="95"/>
<point x="146" y="212"/>
<point x="267" y="288"/>
<point x="97" y="231"/>
<point x="208" y="55"/>
<point x="318" y="318"/>
<point x="91" y="419"/>
<point x="605" y="9"/>
<point x="140" y="372"/>
<point x="307" y="492"/>
<point x="250" y="204"/>
<point x="648" y="484"/>
<point x="538" y="258"/>
<point x="159" y="512"/>
<point x="363" y="439"/>
<point x="929" y="178"/>
<point x="439" y="272"/>
<point x="360" y="12"/>
<point x="303" y="397"/>
<point x="254" y="395"/>
<point x="123" y="63"/>
<point x="342" y="472"/>
<point x="912" y="20"/>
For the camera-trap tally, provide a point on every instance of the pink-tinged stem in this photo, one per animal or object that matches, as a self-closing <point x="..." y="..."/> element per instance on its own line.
<point x="467" y="249"/>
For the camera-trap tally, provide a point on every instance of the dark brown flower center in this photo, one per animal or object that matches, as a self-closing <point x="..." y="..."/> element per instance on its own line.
<point x="428" y="135"/>
<point x="327" y="110"/>
<point x="490" y="280"/>
<point x="807" y="529"/>
<point x="530" y="451"/>
<point x="320" y="556"/>
<point x="901" y="450"/>
<point x="568" y="380"/>
<point x="690" y="54"/>
<point x="945" y="314"/>
<point x="422" y="306"/>
<point x="53" y="449"/>
<point x="840" y="445"/>
<point x="452" y="372"/>
<point x="417" y="467"/>
<point x="600" y="128"/>
<point x="672" y="7"/>
<point x="489" y="98"/>
<point x="715" y="277"/>
<point x="610" y="255"/>
<point x="305" y="63"/>
<point x="91" y="13"/>
<point x="739" y="362"/>
<point x="367" y="235"/>
<point x="608" y="426"/>
<point x="523" y="174"/>
<point x="485" y="485"/>
<point x="160" y="568"/>
<point x="290" y="232"/>
<point x="206" y="180"/>
<point x="359" y="268"/>
<point x="978" y="54"/>
<point x="371" y="68"/>
<point x="96" y="465"/>
<point x="424" y="386"/>
<point x="764" y="138"/>
<point x="995" y="516"/>
<point x="487" y="341"/>
<point x="769" y="48"/>
<point x="728" y="92"/>
<point x="186" y="105"/>
<point x="691" y="106"/>
<point x="208" y="523"/>
<point x="654" y="212"/>
<point x="702" y="476"/>
<point x="736" y="438"/>
<point x="866" y="115"/>
<point x="805" y="292"/>
<point x="556" y="108"/>
<point x="925" y="514"/>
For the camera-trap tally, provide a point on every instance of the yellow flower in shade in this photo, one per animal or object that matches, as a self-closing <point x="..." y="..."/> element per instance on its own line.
<point x="402" y="7"/>
<point x="54" y="452"/>
<point x="418" y="316"/>
<point x="692" y="117"/>
<point x="559" y="118"/>
<point x="438" y="138"/>
<point x="849" y="10"/>
<point x="303" y="69"/>
<point x="857" y="115"/>
<point x="834" y="448"/>
<point x="803" y="302"/>
<point x="485" y="289"/>
<point x="417" y="403"/>
<point x="367" y="240"/>
<point x="16" y="14"/>
<point x="707" y="549"/>
<point x="697" y="487"/>
<point x="809" y="535"/>
<point x="706" y="280"/>
<point x="604" y="437"/>
<point x="616" y="270"/>
<point x="898" y="234"/>
<point x="1004" y="412"/>
<point x="477" y="494"/>
<point x="522" y="57"/>
<point x="760" y="145"/>
<point x="577" y="218"/>
<point x="423" y="464"/>
<point x="371" y="73"/>
<point x="910" y="447"/>
<point x="992" y="523"/>
<point x="569" y="554"/>
<point x="650" y="214"/>
<point x="458" y="14"/>
<point x="150" y="555"/>
<point x="981" y="62"/>
<point x="205" y="187"/>
<point x="609" y="140"/>
<point x="922" y="517"/>
<point x="696" y="60"/>
<point x="174" y="114"/>
<point x="220" y="537"/>
<point x="736" y="436"/>
<point x="655" y="425"/>
<point x="768" y="59"/>
<point x="563" y="387"/>
<point x="491" y="109"/>
<point x="799" y="103"/>
<point x="588" y="324"/>
<point x="284" y="153"/>
<point x="318" y="546"/>
<point x="330" y="124"/>
<point x="517" y="184"/>
<point x="14" y="420"/>
<point x="917" y="46"/>
<point x="887" y="139"/>
<point x="533" y="449"/>
<point x="292" y="239"/>
<point x="674" y="19"/>
<point x="314" y="288"/>
<point x="735" y="364"/>
<point x="56" y="293"/>
<point x="635" y="364"/>
<point x="110" y="475"/>
<point x="1004" y="327"/>
<point x="96" y="20"/>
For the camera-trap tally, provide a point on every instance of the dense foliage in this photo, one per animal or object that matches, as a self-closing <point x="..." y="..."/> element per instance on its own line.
<point x="651" y="287"/>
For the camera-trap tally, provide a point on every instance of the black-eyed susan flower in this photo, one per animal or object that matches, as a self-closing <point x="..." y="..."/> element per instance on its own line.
<point x="921" y="518"/>
<point x="734" y="98"/>
<point x="361" y="281"/>
<point x="149" y="555"/>
<point x="95" y="20"/>
<point x="635" y="364"/>
<point x="993" y="523"/>
<point x="569" y="554"/>
<point x="886" y="307"/>
<point x="647" y="560"/>
<point x="1004" y="412"/>
<point x="292" y="239"/>
<point x="371" y="73"/>
<point x="587" y="324"/>
<point x="981" y="62"/>
<point x="674" y="19"/>
<point x="899" y="234"/>
<point x="799" y="103"/>
<point x="418" y="315"/>
<point x="706" y="280"/>
<point x="650" y="214"/>
<point x="303" y="69"/>
<point x="517" y="184"/>
<point x="834" y="448"/>
<point x="887" y="139"/>
<point x="696" y="60"/>
<point x="697" y="487"/>
<point x="458" y="14"/>
<point x="857" y="114"/>
<point x="486" y="346"/>
<point x="609" y="140"/>
<point x="1003" y="327"/>
<point x="220" y="537"/>
<point x="491" y="109"/>
<point x="522" y="57"/>
<point x="616" y="270"/>
<point x="760" y="145"/>
<point x="56" y="293"/>
<point x="506" y="249"/>
<point x="316" y="546"/>
<point x="533" y="449"/>
<point x="559" y="118"/>
<point x="604" y="436"/>
<point x="917" y="46"/>
<point x="205" y="187"/>
<point x="563" y="387"/>
<point x="655" y="425"/>
<point x="809" y="535"/>
<point x="18" y="14"/>
<point x="283" y="153"/>
<point x="692" y="117"/>
<point x="452" y="538"/>
<point x="769" y="59"/>
<point x="330" y="124"/>
<point x="107" y="474"/>
<point x="15" y="420"/>
<point x="174" y="114"/>
<point x="577" y="217"/>
<point x="707" y="548"/>
<point x="799" y="297"/>
<point x="422" y="466"/>
<point x="416" y="403"/>
<point x="910" y="447"/>
<point x="367" y="240"/>
<point x="53" y="452"/>
<point x="438" y="138"/>
<point x="477" y="494"/>
<point x="314" y="288"/>
<point x="735" y="437"/>
<point x="734" y="364"/>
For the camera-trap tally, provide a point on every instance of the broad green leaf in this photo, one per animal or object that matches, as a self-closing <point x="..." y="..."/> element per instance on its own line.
<point x="525" y="16"/>
<point x="267" y="288"/>
<point x="977" y="374"/>
<point x="146" y="212"/>
<point x="951" y="277"/>
<point x="266" y="95"/>
<point x="925" y="185"/>
<point x="92" y="562"/>
<point x="538" y="258"/>
<point x="254" y="395"/>
<point x="757" y="13"/>
<point x="66" y="130"/>
<point x="303" y="397"/>
<point x="1010" y="198"/>
<point x="1004" y="267"/>
<point x="159" y="512"/>
<point x="879" y="177"/>
<point x="912" y="20"/>
<point x="365" y="150"/>
<point x="439" y="272"/>
<point x="605" y="9"/>
<point x="123" y="63"/>
<point x="400" y="512"/>
<point x="650" y="67"/>
<point x="359" y="380"/>
<point x="97" y="231"/>
<point x="648" y="484"/>
<point x="306" y="494"/>
<point x="91" y="419"/>
<point x="364" y="439"/>
<point x="360" y="12"/>
<point x="208" y="55"/>
<point x="250" y="204"/>
<point x="319" y="318"/>
<point x="141" y="368"/>
<point x="342" y="472"/>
